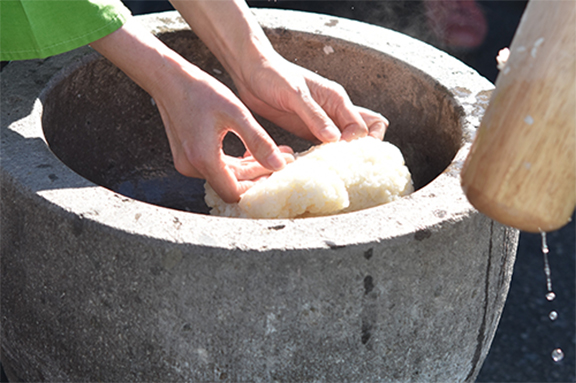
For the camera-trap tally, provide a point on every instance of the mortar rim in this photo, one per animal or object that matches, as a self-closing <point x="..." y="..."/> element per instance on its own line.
<point x="403" y="217"/>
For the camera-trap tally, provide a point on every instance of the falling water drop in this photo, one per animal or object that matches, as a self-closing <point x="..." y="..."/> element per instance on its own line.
<point x="550" y="296"/>
<point x="557" y="355"/>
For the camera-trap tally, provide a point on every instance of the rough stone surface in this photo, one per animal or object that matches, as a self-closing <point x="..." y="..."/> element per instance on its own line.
<point x="98" y="286"/>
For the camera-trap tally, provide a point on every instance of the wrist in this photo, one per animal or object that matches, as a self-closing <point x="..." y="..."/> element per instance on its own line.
<point x="143" y="58"/>
<point x="239" y="44"/>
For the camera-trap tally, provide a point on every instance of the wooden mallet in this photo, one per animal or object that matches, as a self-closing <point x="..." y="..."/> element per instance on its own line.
<point x="521" y="169"/>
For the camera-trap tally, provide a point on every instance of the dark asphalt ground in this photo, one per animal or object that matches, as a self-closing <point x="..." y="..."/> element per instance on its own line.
<point x="521" y="350"/>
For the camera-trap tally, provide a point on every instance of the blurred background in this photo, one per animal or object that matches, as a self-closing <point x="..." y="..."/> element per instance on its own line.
<point x="474" y="32"/>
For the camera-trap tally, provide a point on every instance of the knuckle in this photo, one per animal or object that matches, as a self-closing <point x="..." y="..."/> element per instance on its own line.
<point x="335" y="88"/>
<point x="301" y="92"/>
<point x="339" y="89"/>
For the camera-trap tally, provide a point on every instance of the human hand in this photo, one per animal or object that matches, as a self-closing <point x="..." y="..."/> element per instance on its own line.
<point x="294" y="98"/>
<point x="304" y="103"/>
<point x="197" y="111"/>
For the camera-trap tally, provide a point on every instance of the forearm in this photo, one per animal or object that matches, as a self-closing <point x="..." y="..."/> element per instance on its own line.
<point x="197" y="112"/>
<point x="144" y="58"/>
<point x="230" y="31"/>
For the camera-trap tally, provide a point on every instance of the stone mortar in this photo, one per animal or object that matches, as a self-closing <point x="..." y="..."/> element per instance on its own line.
<point x="103" y="281"/>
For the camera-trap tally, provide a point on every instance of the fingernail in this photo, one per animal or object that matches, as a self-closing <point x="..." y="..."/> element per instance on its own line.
<point x="329" y="133"/>
<point x="275" y="160"/>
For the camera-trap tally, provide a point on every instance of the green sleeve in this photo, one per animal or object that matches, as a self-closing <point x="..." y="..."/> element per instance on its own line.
<point x="41" y="28"/>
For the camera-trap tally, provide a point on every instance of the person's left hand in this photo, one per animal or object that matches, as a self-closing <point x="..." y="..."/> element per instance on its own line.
<point x="305" y="103"/>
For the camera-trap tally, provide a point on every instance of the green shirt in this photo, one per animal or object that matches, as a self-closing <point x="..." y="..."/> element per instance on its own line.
<point x="41" y="28"/>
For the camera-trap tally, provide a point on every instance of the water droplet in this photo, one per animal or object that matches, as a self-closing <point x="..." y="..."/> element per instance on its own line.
<point x="553" y="315"/>
<point x="547" y="273"/>
<point x="557" y="355"/>
<point x="545" y="249"/>
<point x="550" y="296"/>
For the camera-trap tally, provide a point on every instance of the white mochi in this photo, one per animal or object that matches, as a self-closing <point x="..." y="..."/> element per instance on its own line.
<point x="327" y="179"/>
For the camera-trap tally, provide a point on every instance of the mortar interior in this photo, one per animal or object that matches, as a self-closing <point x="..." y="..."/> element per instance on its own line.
<point x="108" y="130"/>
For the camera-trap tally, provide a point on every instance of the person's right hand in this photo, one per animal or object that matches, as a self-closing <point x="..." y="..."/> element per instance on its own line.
<point x="303" y="102"/>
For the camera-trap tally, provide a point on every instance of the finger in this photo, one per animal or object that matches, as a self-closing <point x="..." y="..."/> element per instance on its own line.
<point x="351" y="122"/>
<point x="230" y="177"/>
<point x="334" y="100"/>
<point x="286" y="149"/>
<point x="209" y="160"/>
<point x="226" y="185"/>
<point x="377" y="123"/>
<point x="249" y="169"/>
<point x="244" y="186"/>
<point x="258" y="143"/>
<point x="248" y="184"/>
<point x="283" y="149"/>
<point x="345" y="114"/>
<point x="314" y="117"/>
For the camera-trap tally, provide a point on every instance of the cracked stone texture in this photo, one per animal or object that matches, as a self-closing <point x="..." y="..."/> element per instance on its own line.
<point x="107" y="278"/>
